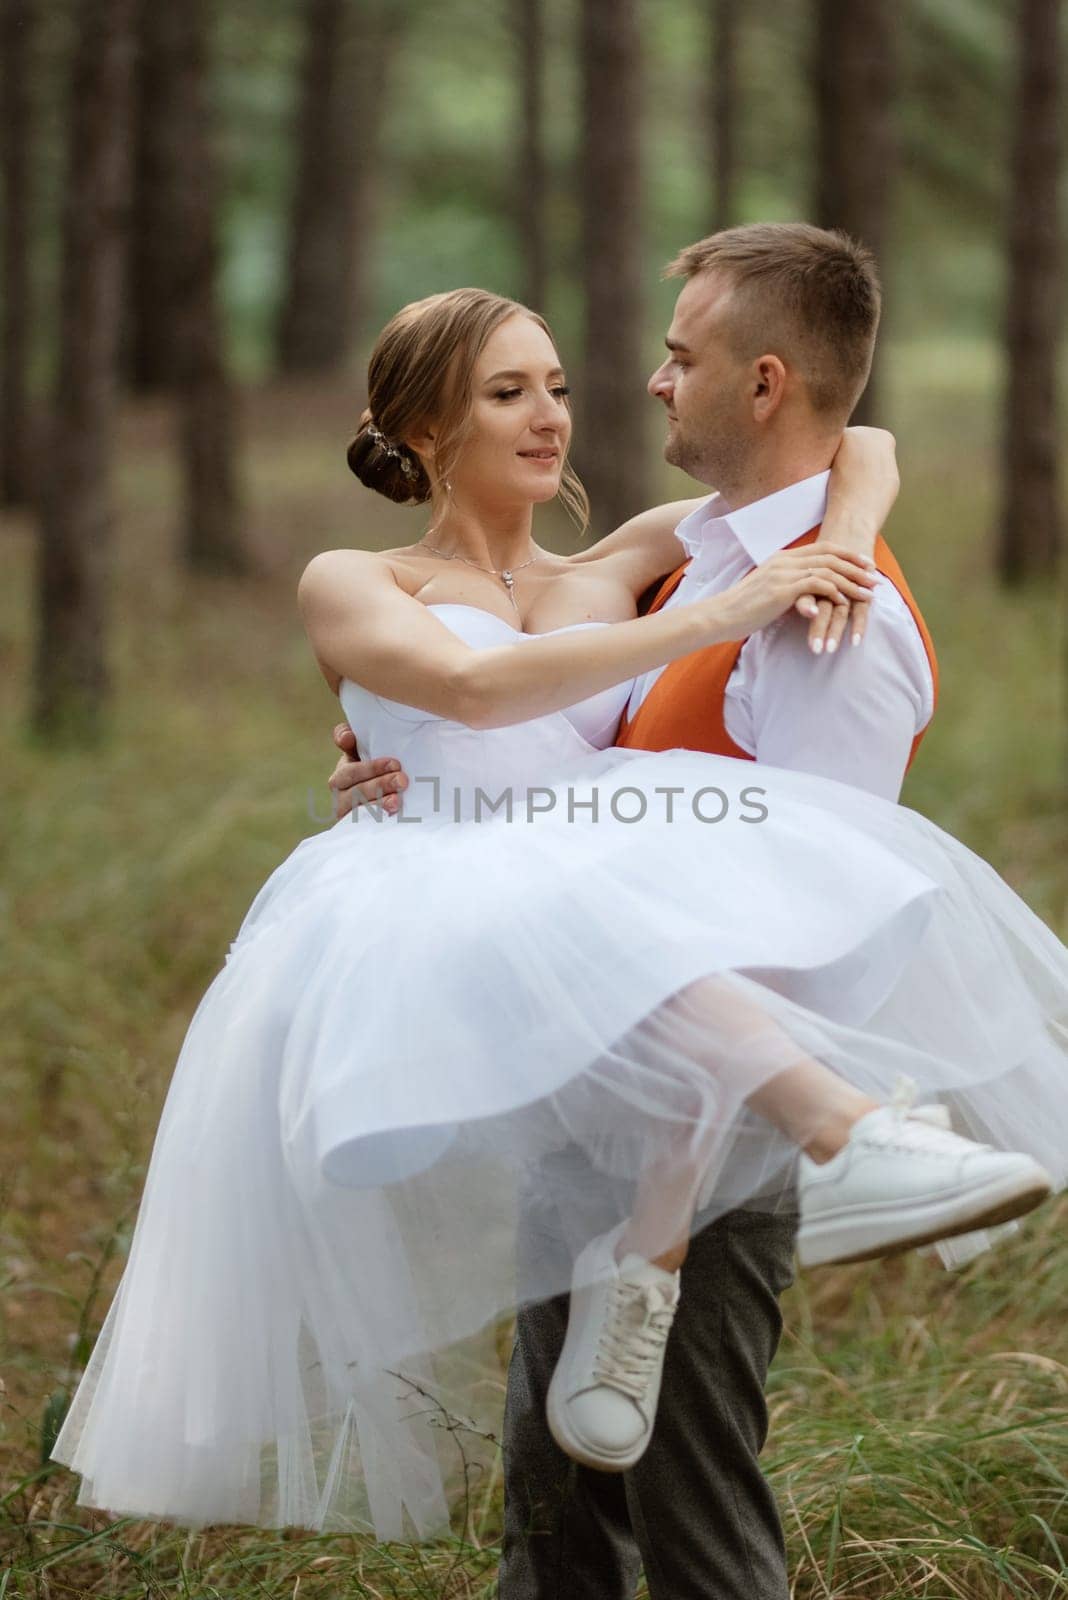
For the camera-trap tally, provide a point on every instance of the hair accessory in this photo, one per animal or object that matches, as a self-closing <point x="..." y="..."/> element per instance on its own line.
<point x="391" y="449"/>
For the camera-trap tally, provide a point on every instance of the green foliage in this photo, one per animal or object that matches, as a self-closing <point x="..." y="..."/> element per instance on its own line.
<point x="448" y="173"/>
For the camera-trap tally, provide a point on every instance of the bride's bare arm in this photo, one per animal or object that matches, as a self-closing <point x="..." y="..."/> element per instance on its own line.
<point x="363" y="626"/>
<point x="644" y="547"/>
<point x="863" y="486"/>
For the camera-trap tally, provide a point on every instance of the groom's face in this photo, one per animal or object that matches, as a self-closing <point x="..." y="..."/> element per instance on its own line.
<point x="705" y="387"/>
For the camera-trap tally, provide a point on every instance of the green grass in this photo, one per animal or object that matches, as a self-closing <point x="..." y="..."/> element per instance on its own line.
<point x="919" y="1438"/>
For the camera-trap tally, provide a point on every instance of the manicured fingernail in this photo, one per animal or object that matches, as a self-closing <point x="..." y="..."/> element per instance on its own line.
<point x="856" y="638"/>
<point x="832" y="646"/>
<point x="817" y="647"/>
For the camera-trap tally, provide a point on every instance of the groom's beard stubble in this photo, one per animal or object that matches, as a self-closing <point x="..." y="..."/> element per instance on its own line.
<point x="716" y="459"/>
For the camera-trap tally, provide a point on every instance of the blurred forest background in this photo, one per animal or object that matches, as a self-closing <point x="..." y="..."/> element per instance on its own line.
<point x="208" y="210"/>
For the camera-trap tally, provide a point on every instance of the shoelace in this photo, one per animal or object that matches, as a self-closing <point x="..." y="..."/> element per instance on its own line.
<point x="636" y="1329"/>
<point x="904" y="1096"/>
<point x="928" y="1125"/>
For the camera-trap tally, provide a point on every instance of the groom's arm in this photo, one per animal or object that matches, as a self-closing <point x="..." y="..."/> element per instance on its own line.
<point x="851" y="716"/>
<point x="357" y="783"/>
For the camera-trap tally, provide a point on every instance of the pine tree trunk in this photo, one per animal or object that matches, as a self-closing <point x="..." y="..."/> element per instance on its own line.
<point x="611" y="444"/>
<point x="212" y="529"/>
<point x="16" y="23"/>
<point x="349" y="49"/>
<point x="530" y="181"/>
<point x="71" y="687"/>
<point x="150" y="356"/>
<point x="856" y="144"/>
<point x="1031" y="531"/>
<point x="721" y="110"/>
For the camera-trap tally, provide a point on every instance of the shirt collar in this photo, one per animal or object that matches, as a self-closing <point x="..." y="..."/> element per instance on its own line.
<point x="762" y="527"/>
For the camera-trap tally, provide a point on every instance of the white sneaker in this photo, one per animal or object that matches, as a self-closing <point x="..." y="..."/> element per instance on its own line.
<point x="964" y="1247"/>
<point x="901" y="1180"/>
<point x="603" y="1395"/>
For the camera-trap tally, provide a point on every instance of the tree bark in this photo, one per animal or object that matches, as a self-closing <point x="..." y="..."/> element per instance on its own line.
<point x="151" y="352"/>
<point x="530" y="183"/>
<point x="16" y="24"/>
<point x="71" y="683"/>
<point x="856" y="145"/>
<point x="612" y="415"/>
<point x="1031" y="526"/>
<point x="721" y="111"/>
<point x="212" y="532"/>
<point x="348" y="55"/>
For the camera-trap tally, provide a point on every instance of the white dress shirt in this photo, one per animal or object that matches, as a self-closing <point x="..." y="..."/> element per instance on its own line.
<point x="852" y="715"/>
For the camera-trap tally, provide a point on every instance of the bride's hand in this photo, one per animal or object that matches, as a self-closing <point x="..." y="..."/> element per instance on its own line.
<point x="863" y="487"/>
<point x="813" y="572"/>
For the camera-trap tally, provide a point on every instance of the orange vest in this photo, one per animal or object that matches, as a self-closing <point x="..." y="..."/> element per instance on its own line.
<point x="685" y="706"/>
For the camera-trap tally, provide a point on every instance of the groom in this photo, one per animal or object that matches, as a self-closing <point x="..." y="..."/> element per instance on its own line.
<point x="769" y="349"/>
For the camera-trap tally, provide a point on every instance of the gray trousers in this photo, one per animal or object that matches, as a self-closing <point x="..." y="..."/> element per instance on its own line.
<point x="695" y="1513"/>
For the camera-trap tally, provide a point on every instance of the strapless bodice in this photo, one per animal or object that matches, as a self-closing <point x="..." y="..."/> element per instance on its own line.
<point x="419" y="738"/>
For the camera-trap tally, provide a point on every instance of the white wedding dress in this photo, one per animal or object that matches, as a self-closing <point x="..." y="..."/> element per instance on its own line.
<point x="422" y="1017"/>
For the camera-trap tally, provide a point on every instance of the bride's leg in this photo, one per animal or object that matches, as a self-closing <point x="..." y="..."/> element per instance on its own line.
<point x="930" y="1183"/>
<point x="810" y="1104"/>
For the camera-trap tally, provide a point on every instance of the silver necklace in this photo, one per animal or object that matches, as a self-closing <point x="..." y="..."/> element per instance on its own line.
<point x="506" y="574"/>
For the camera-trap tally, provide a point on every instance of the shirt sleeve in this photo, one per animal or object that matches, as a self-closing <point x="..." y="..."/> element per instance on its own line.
<point x="850" y="716"/>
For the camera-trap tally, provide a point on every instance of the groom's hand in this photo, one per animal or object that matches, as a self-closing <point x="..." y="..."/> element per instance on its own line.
<point x="360" y="783"/>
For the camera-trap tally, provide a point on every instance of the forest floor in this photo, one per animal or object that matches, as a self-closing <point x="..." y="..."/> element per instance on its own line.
<point x="919" y="1419"/>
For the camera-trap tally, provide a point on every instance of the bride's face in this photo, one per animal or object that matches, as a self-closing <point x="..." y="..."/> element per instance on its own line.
<point x="519" y="425"/>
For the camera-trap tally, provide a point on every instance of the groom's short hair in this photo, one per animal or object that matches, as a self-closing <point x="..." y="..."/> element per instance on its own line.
<point x="809" y="295"/>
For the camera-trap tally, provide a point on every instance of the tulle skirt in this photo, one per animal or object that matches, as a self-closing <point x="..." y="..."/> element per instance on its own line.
<point x="424" y="1039"/>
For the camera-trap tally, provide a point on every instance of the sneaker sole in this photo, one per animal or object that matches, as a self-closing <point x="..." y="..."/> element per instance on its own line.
<point x="867" y="1236"/>
<point x="572" y="1447"/>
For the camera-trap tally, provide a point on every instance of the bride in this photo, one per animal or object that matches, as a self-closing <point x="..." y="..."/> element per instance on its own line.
<point x="580" y="948"/>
